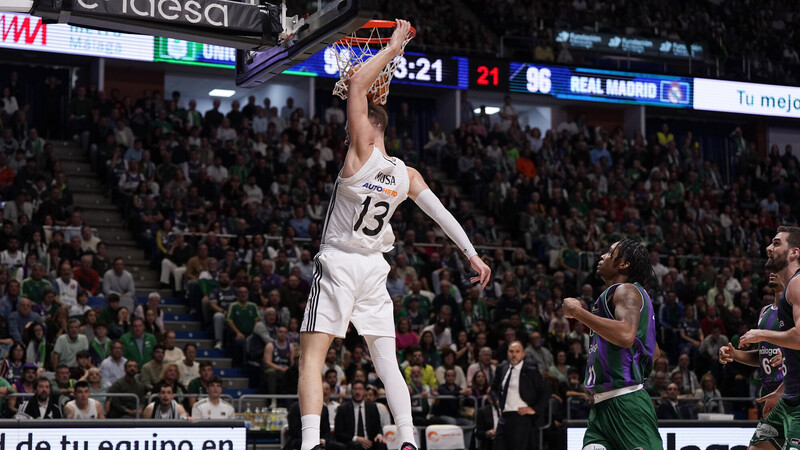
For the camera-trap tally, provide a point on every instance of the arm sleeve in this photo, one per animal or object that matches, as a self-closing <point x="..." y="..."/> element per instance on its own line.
<point x="428" y="202"/>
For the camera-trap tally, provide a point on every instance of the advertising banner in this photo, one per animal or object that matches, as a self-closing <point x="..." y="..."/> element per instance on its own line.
<point x="615" y="43"/>
<point x="131" y="438"/>
<point x="25" y="32"/>
<point x="237" y="17"/>
<point x="746" y="98"/>
<point x="686" y="438"/>
<point x="193" y="53"/>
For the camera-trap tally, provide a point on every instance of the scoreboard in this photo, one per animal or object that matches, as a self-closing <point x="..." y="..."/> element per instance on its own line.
<point x="485" y="74"/>
<point x="575" y="83"/>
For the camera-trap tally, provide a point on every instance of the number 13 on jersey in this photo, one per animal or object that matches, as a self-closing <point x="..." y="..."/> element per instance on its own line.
<point x="378" y="213"/>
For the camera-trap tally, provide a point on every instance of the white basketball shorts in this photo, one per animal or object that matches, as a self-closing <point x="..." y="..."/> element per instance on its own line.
<point x="349" y="287"/>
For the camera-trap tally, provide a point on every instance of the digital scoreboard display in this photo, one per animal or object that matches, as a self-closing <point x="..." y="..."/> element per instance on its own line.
<point x="600" y="85"/>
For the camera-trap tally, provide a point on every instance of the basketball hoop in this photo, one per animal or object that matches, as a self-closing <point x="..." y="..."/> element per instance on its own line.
<point x="353" y="50"/>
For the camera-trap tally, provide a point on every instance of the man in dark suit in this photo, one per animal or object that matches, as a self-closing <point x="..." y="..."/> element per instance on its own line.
<point x="521" y="395"/>
<point x="485" y="427"/>
<point x="32" y="408"/>
<point x="672" y="409"/>
<point x="358" y="422"/>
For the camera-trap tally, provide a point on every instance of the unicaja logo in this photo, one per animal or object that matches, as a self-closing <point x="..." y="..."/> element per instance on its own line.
<point x="433" y="436"/>
<point x="562" y="37"/>
<point x="177" y="48"/>
<point x="665" y="46"/>
<point x="389" y="437"/>
<point x="614" y="42"/>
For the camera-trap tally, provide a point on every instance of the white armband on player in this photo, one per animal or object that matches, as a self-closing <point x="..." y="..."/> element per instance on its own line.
<point x="429" y="203"/>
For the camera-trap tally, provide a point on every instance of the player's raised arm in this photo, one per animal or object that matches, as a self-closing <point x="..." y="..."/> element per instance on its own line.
<point x="627" y="310"/>
<point x="358" y="125"/>
<point x="419" y="191"/>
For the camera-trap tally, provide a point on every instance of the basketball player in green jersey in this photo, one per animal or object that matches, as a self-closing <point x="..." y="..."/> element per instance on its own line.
<point x="783" y="258"/>
<point x="769" y="360"/>
<point x="622" y="349"/>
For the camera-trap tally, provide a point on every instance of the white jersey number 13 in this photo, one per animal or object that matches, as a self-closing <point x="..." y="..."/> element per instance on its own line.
<point x="378" y="218"/>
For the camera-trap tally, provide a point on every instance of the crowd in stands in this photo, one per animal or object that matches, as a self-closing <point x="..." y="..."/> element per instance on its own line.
<point x="55" y="347"/>
<point x="230" y="207"/>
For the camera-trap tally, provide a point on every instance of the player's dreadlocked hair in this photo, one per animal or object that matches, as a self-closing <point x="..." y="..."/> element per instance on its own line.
<point x="639" y="270"/>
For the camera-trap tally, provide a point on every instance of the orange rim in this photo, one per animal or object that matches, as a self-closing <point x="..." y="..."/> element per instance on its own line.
<point x="352" y="40"/>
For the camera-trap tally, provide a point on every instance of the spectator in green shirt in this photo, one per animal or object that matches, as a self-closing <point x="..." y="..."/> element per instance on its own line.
<point x="33" y="287"/>
<point x="138" y="345"/>
<point x="242" y="317"/>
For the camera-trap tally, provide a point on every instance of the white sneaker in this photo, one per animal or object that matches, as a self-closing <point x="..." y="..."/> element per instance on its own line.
<point x="218" y="345"/>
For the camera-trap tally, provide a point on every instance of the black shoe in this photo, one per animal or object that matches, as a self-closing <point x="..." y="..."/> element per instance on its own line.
<point x="408" y="446"/>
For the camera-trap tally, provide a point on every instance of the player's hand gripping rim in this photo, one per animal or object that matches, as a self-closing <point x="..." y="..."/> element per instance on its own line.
<point x="400" y="34"/>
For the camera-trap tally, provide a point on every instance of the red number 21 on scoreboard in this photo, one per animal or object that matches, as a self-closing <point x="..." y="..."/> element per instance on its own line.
<point x="488" y="75"/>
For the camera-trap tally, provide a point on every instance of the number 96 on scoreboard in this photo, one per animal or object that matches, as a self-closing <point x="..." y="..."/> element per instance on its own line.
<point x="530" y="78"/>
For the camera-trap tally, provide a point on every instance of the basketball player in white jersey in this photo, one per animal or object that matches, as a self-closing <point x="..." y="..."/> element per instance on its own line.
<point x="83" y="407"/>
<point x="349" y="283"/>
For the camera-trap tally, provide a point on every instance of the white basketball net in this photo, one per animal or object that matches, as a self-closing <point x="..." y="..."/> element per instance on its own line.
<point x="350" y="55"/>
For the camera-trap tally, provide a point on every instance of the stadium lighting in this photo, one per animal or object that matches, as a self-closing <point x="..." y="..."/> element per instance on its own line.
<point x="489" y="110"/>
<point x="225" y="93"/>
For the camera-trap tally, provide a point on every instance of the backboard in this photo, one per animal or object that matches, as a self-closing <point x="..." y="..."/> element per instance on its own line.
<point x="303" y="38"/>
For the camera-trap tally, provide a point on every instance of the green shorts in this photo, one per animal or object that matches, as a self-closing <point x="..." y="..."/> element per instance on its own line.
<point x="764" y="432"/>
<point x="781" y="427"/>
<point x="626" y="422"/>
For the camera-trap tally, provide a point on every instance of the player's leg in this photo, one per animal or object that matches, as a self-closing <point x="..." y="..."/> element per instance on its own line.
<point x="327" y="315"/>
<point x="764" y="445"/>
<point x="382" y="349"/>
<point x="314" y="347"/>
<point x="373" y="317"/>
<point x="594" y="438"/>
